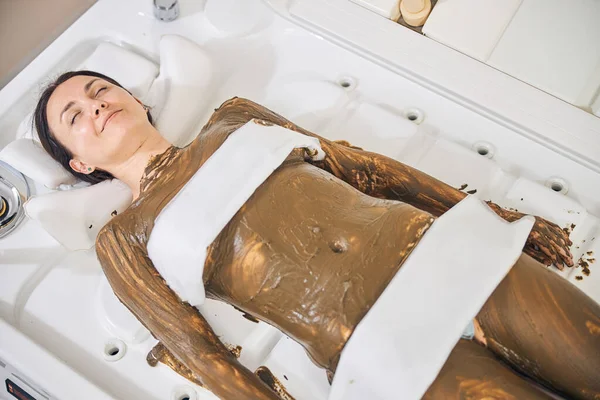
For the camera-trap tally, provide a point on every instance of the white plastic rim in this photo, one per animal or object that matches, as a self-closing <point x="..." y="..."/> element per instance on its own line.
<point x="114" y="350"/>
<point x="558" y="185"/>
<point x="232" y="17"/>
<point x="484" y="149"/>
<point x="184" y="392"/>
<point x="414" y="115"/>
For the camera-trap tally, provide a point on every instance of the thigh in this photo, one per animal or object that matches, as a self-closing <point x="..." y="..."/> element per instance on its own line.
<point x="473" y="373"/>
<point x="545" y="327"/>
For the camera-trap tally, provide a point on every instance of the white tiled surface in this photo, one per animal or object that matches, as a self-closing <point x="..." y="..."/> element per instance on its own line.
<point x="387" y="8"/>
<point x="470" y="26"/>
<point x="553" y="45"/>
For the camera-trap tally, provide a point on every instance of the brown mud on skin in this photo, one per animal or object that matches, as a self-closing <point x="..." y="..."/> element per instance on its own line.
<point x="160" y="353"/>
<point x="473" y="373"/>
<point x="273" y="260"/>
<point x="539" y="323"/>
<point x="481" y="389"/>
<point x="309" y="252"/>
<point x="275" y="384"/>
<point x="247" y="316"/>
<point x="346" y="143"/>
<point x="250" y="318"/>
<point x="593" y="328"/>
<point x="235" y="350"/>
<point x="314" y="278"/>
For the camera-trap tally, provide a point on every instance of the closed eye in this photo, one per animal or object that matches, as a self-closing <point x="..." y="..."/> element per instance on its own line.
<point x="99" y="90"/>
<point x="73" y="119"/>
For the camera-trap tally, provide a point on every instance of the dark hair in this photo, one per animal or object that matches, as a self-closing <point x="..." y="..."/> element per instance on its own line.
<point x="49" y="142"/>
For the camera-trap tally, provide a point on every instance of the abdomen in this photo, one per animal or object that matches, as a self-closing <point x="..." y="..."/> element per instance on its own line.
<point x="310" y="254"/>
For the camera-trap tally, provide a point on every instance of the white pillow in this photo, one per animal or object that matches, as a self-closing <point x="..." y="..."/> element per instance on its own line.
<point x="177" y="97"/>
<point x="74" y="217"/>
<point x="186" y="73"/>
<point x="26" y="130"/>
<point x="28" y="157"/>
<point x="131" y="70"/>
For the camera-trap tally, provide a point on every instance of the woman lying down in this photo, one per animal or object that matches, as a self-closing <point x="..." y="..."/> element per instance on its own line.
<point x="330" y="244"/>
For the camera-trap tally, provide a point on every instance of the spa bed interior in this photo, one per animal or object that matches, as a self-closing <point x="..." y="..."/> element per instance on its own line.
<point x="332" y="67"/>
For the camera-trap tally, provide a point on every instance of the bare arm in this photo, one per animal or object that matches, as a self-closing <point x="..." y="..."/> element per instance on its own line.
<point x="179" y="326"/>
<point x="383" y="177"/>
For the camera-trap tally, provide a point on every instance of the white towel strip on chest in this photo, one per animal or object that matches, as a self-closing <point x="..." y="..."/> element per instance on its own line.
<point x="399" y="347"/>
<point x="196" y="215"/>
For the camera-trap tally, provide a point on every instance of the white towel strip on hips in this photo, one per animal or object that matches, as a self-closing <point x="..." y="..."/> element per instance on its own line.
<point x="399" y="347"/>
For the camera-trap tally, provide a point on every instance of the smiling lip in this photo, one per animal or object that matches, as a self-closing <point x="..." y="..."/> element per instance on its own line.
<point x="109" y="118"/>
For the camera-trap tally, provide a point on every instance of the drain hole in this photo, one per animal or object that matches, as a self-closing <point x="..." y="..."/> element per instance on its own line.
<point x="414" y="115"/>
<point x="347" y="82"/>
<point x="558" y="185"/>
<point x="184" y="393"/>
<point x="484" y="149"/>
<point x="114" y="349"/>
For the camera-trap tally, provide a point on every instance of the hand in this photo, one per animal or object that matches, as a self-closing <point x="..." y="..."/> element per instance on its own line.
<point x="547" y="242"/>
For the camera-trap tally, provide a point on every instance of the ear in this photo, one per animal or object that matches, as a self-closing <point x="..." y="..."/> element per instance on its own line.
<point x="81" y="167"/>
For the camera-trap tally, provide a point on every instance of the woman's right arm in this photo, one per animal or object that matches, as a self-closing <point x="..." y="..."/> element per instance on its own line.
<point x="179" y="326"/>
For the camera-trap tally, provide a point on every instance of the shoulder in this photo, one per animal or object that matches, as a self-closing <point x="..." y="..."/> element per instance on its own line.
<point x="121" y="234"/>
<point x="237" y="111"/>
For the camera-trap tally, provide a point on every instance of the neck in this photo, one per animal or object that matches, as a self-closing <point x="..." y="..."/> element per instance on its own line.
<point x="132" y="170"/>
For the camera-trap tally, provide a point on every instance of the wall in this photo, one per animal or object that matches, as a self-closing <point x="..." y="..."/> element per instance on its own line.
<point x="28" y="26"/>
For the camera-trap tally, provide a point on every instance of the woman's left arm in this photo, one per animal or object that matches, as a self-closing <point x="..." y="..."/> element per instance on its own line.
<point x="383" y="177"/>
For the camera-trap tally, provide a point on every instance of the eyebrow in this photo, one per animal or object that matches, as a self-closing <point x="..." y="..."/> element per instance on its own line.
<point x="69" y="105"/>
<point x="86" y="89"/>
<point x="88" y="85"/>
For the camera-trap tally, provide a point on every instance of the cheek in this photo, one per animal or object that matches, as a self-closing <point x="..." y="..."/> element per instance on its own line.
<point x="130" y="122"/>
<point x="84" y="140"/>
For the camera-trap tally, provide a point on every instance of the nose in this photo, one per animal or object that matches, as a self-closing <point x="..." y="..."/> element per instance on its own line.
<point x="99" y="105"/>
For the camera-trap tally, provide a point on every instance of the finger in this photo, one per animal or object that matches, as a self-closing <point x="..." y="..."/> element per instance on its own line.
<point x="534" y="251"/>
<point x="564" y="254"/>
<point x="544" y="250"/>
<point x="538" y="256"/>
<point x="562" y="248"/>
<point x="548" y="251"/>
